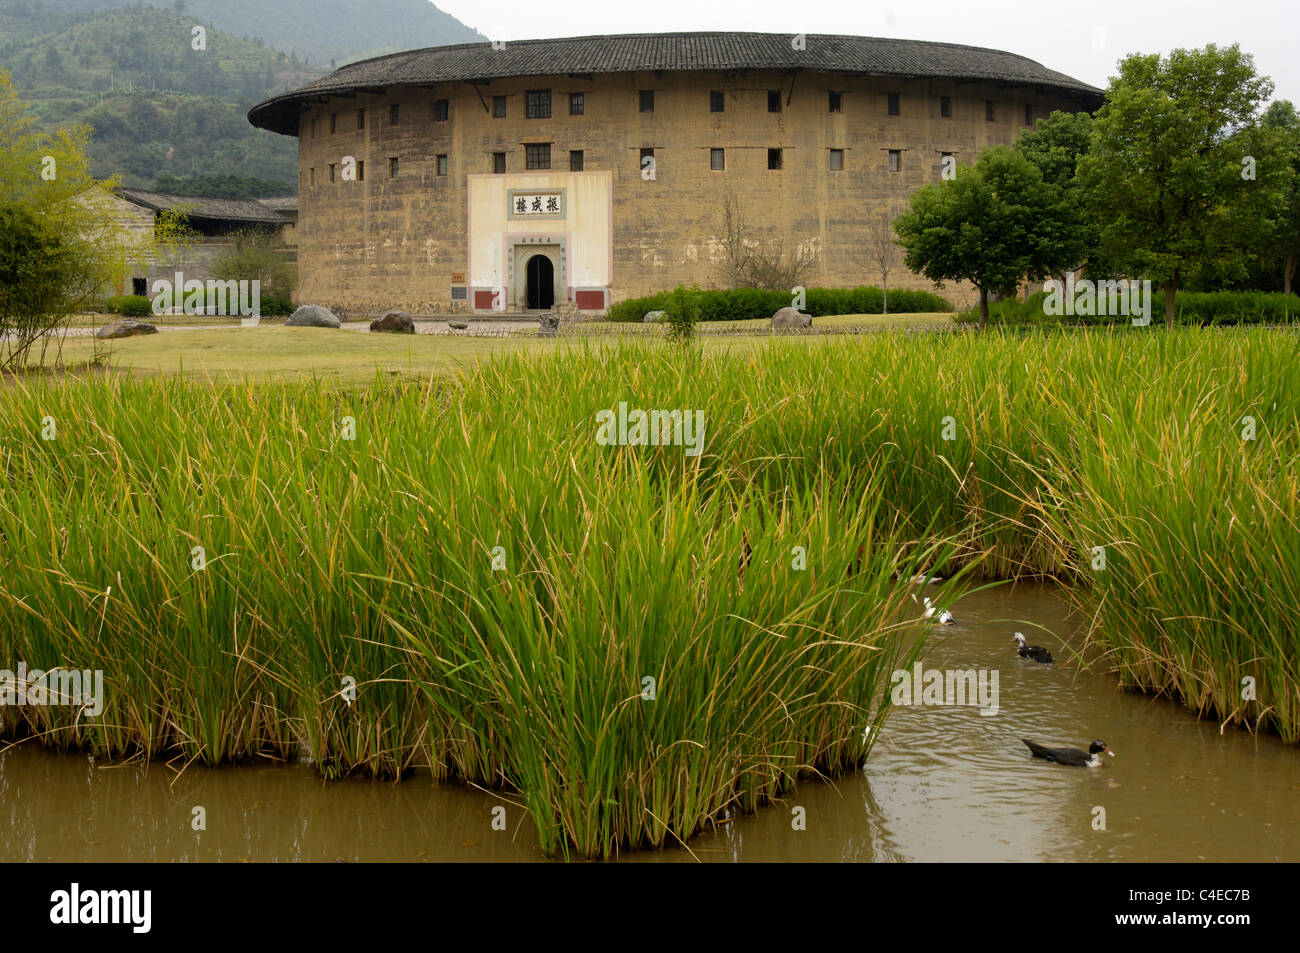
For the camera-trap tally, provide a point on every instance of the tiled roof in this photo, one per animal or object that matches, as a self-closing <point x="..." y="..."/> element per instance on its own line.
<point x="670" y="52"/>
<point x="199" y="207"/>
<point x="288" y="205"/>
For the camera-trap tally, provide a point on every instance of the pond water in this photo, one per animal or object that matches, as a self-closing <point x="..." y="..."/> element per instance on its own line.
<point x="943" y="783"/>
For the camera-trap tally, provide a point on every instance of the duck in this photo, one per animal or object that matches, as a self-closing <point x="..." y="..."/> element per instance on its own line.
<point x="942" y="616"/>
<point x="1034" y="652"/>
<point x="1071" y="756"/>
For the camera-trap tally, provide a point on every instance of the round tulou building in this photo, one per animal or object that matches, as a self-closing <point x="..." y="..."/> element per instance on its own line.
<point x="573" y="173"/>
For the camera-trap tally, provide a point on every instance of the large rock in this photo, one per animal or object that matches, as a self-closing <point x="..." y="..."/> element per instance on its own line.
<point x="790" y="318"/>
<point x="125" y="328"/>
<point x="548" y="325"/>
<point x="312" y="316"/>
<point x="394" y="322"/>
<point x="652" y="316"/>
<point x="458" y="325"/>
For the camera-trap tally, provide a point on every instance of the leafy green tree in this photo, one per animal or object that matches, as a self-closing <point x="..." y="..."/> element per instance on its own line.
<point x="1281" y="133"/>
<point x="1055" y="146"/>
<point x="1163" y="178"/>
<point x="62" y="240"/>
<point x="994" y="224"/>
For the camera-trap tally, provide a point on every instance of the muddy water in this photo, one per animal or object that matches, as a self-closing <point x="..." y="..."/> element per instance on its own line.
<point x="944" y="783"/>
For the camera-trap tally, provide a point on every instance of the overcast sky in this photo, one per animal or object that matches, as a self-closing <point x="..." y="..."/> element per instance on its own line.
<point x="1083" y="38"/>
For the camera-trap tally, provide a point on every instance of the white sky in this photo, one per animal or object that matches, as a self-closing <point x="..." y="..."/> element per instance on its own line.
<point x="1060" y="35"/>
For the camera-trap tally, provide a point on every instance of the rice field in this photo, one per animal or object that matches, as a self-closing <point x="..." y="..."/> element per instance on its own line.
<point x="455" y="574"/>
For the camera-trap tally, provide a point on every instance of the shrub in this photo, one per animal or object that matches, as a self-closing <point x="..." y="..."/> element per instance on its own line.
<point x="130" y="306"/>
<point x="683" y="309"/>
<point x="273" y="307"/>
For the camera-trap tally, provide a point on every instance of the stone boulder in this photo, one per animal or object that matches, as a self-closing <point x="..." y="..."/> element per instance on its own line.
<point x="394" y="322"/>
<point x="125" y="328"/>
<point x="548" y="325"/>
<point x="790" y="318"/>
<point x="458" y="325"/>
<point x="652" y="316"/>
<point x="312" y="316"/>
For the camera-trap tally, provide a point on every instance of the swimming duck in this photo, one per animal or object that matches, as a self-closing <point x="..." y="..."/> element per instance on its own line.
<point x="1071" y="756"/>
<point x="1032" y="651"/>
<point x="942" y="616"/>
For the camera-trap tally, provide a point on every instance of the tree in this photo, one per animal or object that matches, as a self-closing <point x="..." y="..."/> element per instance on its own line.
<point x="1163" y="178"/>
<point x="994" y="224"/>
<point x="734" y="248"/>
<point x="254" y="256"/>
<point x="881" y="249"/>
<point x="61" y="239"/>
<point x="1281" y="133"/>
<point x="1055" y="147"/>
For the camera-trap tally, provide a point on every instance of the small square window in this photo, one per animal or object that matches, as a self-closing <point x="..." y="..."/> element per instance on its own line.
<point x="499" y="163"/>
<point x="537" y="155"/>
<point x="575" y="160"/>
<point x="392" y="167"/>
<point x="334" y="121"/>
<point x="361" y="170"/>
<point x="774" y="100"/>
<point x="717" y="101"/>
<point x="837" y="102"/>
<point x="577" y="103"/>
<point x="442" y="165"/>
<point x="945" y="107"/>
<point x="774" y="158"/>
<point x="895" y="160"/>
<point x="361" y="119"/>
<point x="893" y="104"/>
<point x="538" y="104"/>
<point x="311" y="176"/>
<point x="394" y="111"/>
<point x="498" y="107"/>
<point x="837" y="160"/>
<point x="441" y="110"/>
<point x="988" y="109"/>
<point x="1029" y="115"/>
<point x="313" y="128"/>
<point x="717" y="159"/>
<point x="331" y="171"/>
<point x="647" y="97"/>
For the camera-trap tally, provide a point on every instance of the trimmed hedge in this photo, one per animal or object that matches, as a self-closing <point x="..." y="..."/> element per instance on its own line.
<point x="130" y="306"/>
<point x="1194" y="308"/>
<point x="740" y="304"/>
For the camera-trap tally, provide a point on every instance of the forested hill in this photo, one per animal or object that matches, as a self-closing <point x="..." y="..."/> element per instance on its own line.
<point x="316" y="31"/>
<point x="159" y="107"/>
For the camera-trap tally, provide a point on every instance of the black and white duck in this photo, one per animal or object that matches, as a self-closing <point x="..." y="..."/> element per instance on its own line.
<point x="1035" y="652"/>
<point x="1071" y="756"/>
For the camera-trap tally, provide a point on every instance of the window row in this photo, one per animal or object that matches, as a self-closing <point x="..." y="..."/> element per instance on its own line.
<point x="537" y="105"/>
<point x="537" y="156"/>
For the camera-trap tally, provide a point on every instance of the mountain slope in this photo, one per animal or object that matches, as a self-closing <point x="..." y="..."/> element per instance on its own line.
<point x="317" y="31"/>
<point x="159" y="107"/>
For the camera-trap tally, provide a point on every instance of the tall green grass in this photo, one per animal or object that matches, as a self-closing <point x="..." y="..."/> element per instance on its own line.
<point x="373" y="559"/>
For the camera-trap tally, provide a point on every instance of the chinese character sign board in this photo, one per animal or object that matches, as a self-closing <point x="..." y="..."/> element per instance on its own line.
<point x="541" y="204"/>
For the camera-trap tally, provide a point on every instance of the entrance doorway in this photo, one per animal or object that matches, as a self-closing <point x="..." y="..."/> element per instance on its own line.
<point x="541" y="282"/>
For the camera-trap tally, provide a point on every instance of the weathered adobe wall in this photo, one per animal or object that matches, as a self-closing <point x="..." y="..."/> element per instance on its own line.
<point x="388" y="242"/>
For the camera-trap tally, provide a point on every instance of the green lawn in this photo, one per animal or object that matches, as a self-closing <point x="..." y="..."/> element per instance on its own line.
<point x="271" y="350"/>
